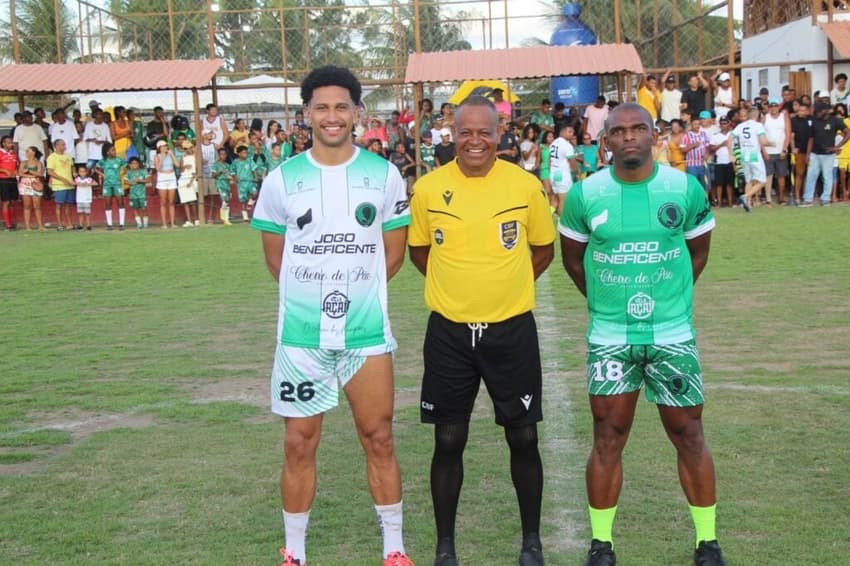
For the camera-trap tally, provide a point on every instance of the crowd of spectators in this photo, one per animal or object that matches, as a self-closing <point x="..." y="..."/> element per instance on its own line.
<point x="798" y="153"/>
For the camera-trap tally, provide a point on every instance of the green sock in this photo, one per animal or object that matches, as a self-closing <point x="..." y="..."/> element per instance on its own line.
<point x="704" y="520"/>
<point x="602" y="523"/>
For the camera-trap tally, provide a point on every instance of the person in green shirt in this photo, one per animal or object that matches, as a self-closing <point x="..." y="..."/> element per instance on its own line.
<point x="245" y="171"/>
<point x="634" y="239"/>
<point x="138" y="179"/>
<point x="274" y="157"/>
<point x="427" y="153"/>
<point x="138" y="135"/>
<point x="589" y="153"/>
<point x="221" y="172"/>
<point x="110" y="170"/>
<point x="543" y="119"/>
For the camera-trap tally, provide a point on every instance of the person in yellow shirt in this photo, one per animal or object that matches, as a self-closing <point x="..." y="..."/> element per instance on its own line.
<point x="649" y="97"/>
<point x="844" y="166"/>
<point x="60" y="168"/>
<point x="481" y="232"/>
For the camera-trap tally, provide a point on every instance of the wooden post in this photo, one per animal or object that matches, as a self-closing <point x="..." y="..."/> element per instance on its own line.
<point x="700" y="36"/>
<point x="304" y="15"/>
<point x="618" y="25"/>
<point x="171" y="29"/>
<point x="284" y="65"/>
<point x="507" y="44"/>
<point x="16" y="47"/>
<point x="100" y="36"/>
<point x="417" y="36"/>
<point x="655" y="32"/>
<point x="730" y="31"/>
<point x="638" y="31"/>
<point x="417" y="100"/>
<point x="82" y="37"/>
<point x="676" y="33"/>
<point x="210" y="31"/>
<point x="57" y="31"/>
<point x="21" y="103"/>
<point x="199" y="163"/>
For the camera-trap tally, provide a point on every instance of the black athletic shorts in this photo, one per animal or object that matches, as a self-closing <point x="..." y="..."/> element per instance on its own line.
<point x="8" y="190"/>
<point x="458" y="355"/>
<point x="724" y="174"/>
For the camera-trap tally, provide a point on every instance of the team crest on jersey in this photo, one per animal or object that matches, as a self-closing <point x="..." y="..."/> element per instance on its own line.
<point x="365" y="214"/>
<point x="335" y="305"/>
<point x="640" y="306"/>
<point x="509" y="234"/>
<point x="438" y="237"/>
<point x="447" y="196"/>
<point x="671" y="215"/>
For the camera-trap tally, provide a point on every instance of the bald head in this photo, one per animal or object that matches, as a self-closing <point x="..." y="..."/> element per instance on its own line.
<point x="628" y="107"/>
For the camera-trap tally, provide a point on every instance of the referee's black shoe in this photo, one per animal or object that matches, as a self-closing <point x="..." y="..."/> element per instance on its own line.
<point x="708" y="554"/>
<point x="532" y="551"/>
<point x="445" y="559"/>
<point x="600" y="554"/>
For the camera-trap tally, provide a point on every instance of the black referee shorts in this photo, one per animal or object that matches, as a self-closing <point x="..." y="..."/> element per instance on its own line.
<point x="458" y="355"/>
<point x="8" y="190"/>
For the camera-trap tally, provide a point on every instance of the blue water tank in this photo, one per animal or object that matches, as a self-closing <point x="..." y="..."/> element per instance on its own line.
<point x="572" y="31"/>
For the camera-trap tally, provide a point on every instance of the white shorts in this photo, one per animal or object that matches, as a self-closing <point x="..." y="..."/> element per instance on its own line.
<point x="561" y="185"/>
<point x="754" y="171"/>
<point x="166" y="180"/>
<point x="306" y="381"/>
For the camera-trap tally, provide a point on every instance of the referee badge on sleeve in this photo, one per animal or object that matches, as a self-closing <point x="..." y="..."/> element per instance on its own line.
<point x="509" y="234"/>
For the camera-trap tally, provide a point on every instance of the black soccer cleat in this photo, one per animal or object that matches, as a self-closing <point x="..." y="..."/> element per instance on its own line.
<point x="600" y="554"/>
<point x="531" y="553"/>
<point x="708" y="554"/>
<point x="445" y="559"/>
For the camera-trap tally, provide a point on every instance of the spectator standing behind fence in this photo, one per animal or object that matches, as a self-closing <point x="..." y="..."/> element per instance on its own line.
<point x="220" y="172"/>
<point x="81" y="151"/>
<point x="64" y="129"/>
<point x="137" y="138"/>
<point x="27" y="134"/>
<point x="31" y="186"/>
<point x="444" y="152"/>
<point x="594" y="118"/>
<point x="427" y="153"/>
<point x="122" y="132"/>
<point x="801" y="133"/>
<point x="823" y="149"/>
<point x="239" y="135"/>
<point x="695" y="144"/>
<point x="8" y="180"/>
<point x="214" y="124"/>
<point x="60" y="171"/>
<point x="187" y="184"/>
<point x="671" y="98"/>
<point x="648" y="96"/>
<point x="96" y="135"/>
<point x="777" y="126"/>
<point x="165" y="163"/>
<point x="724" y="96"/>
<point x="84" y="183"/>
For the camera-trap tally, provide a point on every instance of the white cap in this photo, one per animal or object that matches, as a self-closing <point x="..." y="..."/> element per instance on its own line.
<point x="161" y="143"/>
<point x="445" y="132"/>
<point x="723" y="77"/>
<point x="821" y="93"/>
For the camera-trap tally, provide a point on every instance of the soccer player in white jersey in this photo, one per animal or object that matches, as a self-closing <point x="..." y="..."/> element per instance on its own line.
<point x="752" y="138"/>
<point x="634" y="239"/>
<point x="562" y="164"/>
<point x="334" y="222"/>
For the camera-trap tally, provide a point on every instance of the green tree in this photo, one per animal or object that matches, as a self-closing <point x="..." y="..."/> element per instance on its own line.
<point x="36" y="23"/>
<point x="145" y="30"/>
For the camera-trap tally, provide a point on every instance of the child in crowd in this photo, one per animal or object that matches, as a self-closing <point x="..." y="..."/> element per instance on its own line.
<point x="405" y="164"/>
<point x="589" y="154"/>
<point x="81" y="153"/>
<point x="187" y="183"/>
<point x="275" y="157"/>
<point x="220" y="172"/>
<point x="207" y="183"/>
<point x="138" y="179"/>
<point x="257" y="154"/>
<point x="426" y="151"/>
<point x="84" y="183"/>
<point x="110" y="170"/>
<point x="245" y="172"/>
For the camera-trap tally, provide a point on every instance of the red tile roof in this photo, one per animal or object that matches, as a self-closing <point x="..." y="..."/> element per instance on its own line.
<point x="522" y="63"/>
<point x="104" y="77"/>
<point x="839" y="34"/>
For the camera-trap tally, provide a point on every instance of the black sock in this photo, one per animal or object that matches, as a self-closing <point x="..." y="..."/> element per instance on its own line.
<point x="446" y="480"/>
<point x="527" y="475"/>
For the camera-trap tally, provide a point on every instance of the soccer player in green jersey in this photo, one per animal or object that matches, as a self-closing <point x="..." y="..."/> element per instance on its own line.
<point x="244" y="170"/>
<point x="634" y="239"/>
<point x="220" y="171"/>
<point x="111" y="169"/>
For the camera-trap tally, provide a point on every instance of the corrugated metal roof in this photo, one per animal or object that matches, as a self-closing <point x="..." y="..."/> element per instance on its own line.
<point x="101" y="77"/>
<point x="522" y="63"/>
<point x="839" y="34"/>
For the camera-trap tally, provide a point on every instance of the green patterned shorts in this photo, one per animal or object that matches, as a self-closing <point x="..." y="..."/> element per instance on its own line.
<point x="138" y="202"/>
<point x="671" y="372"/>
<point x="113" y="191"/>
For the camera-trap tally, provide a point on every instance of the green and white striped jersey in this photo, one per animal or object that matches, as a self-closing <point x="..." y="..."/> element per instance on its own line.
<point x="333" y="280"/>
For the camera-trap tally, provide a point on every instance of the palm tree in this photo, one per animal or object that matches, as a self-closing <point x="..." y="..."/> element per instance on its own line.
<point x="37" y="23"/>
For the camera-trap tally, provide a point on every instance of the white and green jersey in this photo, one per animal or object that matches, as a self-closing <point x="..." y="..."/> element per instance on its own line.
<point x="637" y="264"/>
<point x="333" y="280"/>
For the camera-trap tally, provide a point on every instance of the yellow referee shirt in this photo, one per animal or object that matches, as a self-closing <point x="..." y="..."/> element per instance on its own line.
<point x="479" y="230"/>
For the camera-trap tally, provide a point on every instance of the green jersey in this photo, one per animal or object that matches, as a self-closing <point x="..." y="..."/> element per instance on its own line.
<point x="243" y="170"/>
<point x="111" y="167"/>
<point x="427" y="154"/>
<point x="137" y="178"/>
<point x="222" y="181"/>
<point x="637" y="265"/>
<point x="542" y="119"/>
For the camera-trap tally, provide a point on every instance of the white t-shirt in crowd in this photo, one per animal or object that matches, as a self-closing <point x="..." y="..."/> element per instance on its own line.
<point x="721" y="155"/>
<point x="775" y="130"/>
<point x="65" y="131"/>
<point x="670" y="101"/>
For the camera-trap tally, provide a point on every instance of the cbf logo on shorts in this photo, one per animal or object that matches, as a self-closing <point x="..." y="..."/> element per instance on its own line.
<point x="640" y="306"/>
<point x="335" y="305"/>
<point x="509" y="234"/>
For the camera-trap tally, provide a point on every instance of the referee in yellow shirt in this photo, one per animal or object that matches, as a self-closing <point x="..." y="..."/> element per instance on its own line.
<point x="481" y="232"/>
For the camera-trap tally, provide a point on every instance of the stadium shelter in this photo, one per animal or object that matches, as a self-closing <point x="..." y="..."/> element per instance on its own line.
<point x="22" y="80"/>
<point x="619" y="59"/>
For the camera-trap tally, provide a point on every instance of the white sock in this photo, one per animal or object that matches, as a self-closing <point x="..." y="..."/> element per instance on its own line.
<point x="109" y="218"/>
<point x="121" y="215"/>
<point x="244" y="215"/>
<point x="138" y="220"/>
<point x="145" y="221"/>
<point x="390" y="518"/>
<point x="295" y="533"/>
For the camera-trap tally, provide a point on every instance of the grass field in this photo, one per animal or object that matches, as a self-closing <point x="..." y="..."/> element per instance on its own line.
<point x="134" y="426"/>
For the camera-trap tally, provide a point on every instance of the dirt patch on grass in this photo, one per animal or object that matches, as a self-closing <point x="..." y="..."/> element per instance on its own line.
<point x="251" y="391"/>
<point x="79" y="424"/>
